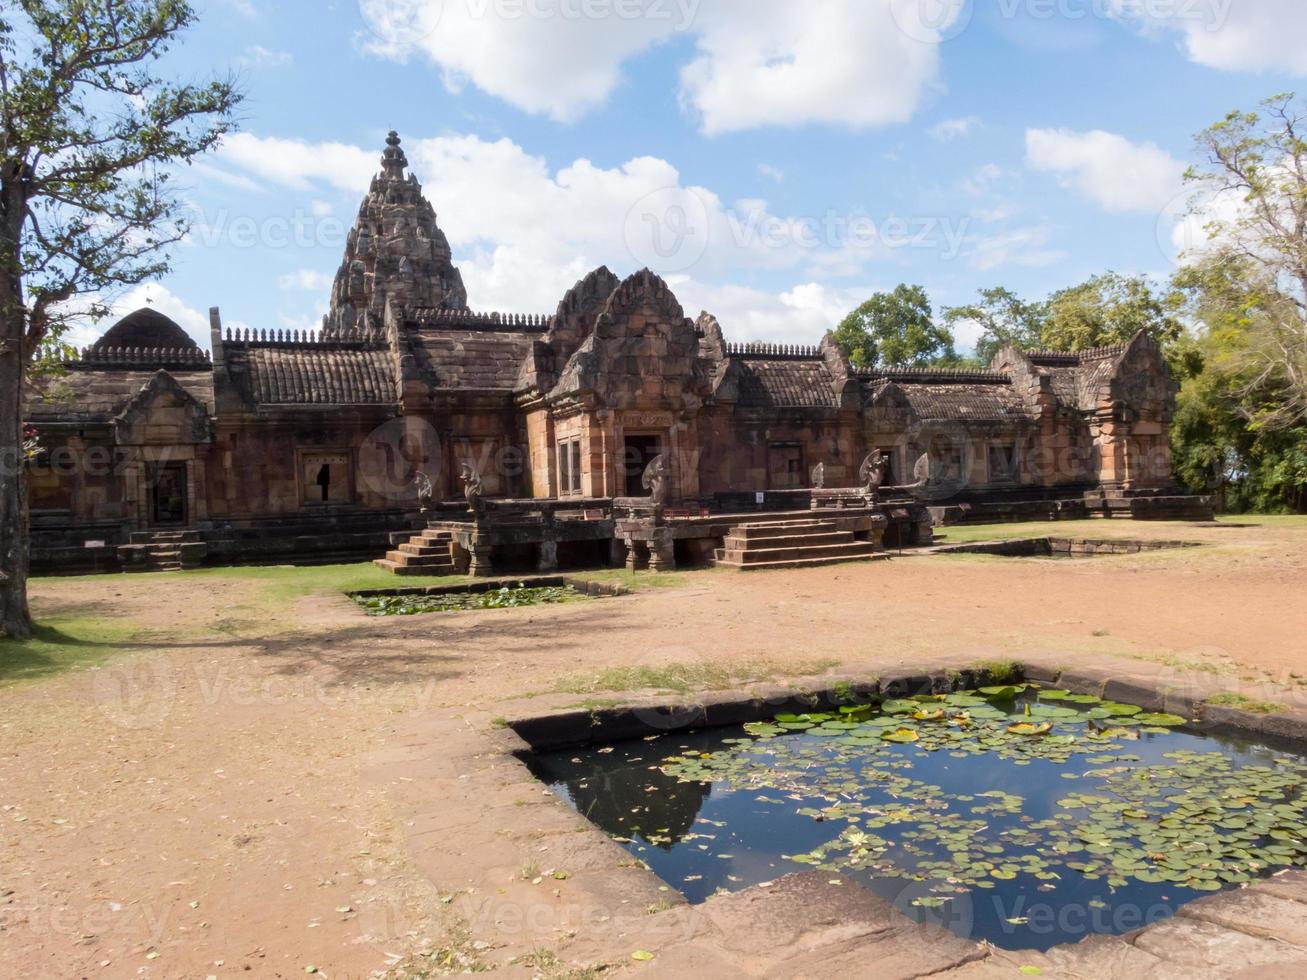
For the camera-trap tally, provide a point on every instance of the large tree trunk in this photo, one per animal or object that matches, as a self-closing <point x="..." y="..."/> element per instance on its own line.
<point x="15" y="617"/>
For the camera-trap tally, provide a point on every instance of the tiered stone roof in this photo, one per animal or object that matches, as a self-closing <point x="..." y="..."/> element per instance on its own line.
<point x="395" y="253"/>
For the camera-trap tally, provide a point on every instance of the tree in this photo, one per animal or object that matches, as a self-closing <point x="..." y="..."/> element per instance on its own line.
<point x="1259" y="162"/>
<point x="1227" y="435"/>
<point x="1005" y="320"/>
<point x="1105" y="310"/>
<point x="88" y="137"/>
<point x="895" y="330"/>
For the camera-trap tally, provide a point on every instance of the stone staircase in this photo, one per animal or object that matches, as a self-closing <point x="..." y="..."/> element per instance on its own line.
<point x="163" y="551"/>
<point x="797" y="543"/>
<point x="428" y="553"/>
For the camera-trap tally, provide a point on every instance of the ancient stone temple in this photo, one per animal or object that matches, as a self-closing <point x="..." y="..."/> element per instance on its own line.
<point x="277" y="445"/>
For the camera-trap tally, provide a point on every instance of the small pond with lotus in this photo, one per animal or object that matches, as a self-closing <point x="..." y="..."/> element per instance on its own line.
<point x="1020" y="816"/>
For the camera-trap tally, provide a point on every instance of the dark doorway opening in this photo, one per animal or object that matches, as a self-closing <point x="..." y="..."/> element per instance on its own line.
<point x="640" y="452"/>
<point x="168" y="494"/>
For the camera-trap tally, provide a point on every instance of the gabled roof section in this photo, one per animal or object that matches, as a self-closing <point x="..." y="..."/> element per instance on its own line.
<point x="161" y="387"/>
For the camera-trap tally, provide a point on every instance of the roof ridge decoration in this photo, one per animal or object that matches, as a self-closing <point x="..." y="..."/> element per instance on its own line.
<point x="928" y="375"/>
<point x="793" y="352"/>
<point x="352" y="339"/>
<point x="465" y="319"/>
<point x="176" y="358"/>
<point x="1078" y="357"/>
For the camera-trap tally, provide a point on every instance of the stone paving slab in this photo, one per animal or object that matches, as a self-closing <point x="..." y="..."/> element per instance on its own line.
<point x="1195" y="945"/>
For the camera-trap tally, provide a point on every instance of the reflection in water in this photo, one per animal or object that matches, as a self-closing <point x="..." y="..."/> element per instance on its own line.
<point x="627" y="796"/>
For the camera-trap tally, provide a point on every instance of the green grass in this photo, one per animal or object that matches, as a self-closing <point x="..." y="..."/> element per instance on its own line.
<point x="1000" y="671"/>
<point x="71" y="636"/>
<point x="69" y="641"/>
<point x="1231" y="699"/>
<point x="681" y="678"/>
<point x="1094" y="529"/>
<point x="1286" y="521"/>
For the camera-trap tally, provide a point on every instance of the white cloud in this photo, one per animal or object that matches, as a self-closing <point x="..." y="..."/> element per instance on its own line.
<point x="306" y="279"/>
<point x="300" y="165"/>
<point x="967" y="333"/>
<point x="1233" y="35"/>
<point x="984" y="180"/>
<point x="801" y="315"/>
<point x="776" y="62"/>
<point x="953" y="129"/>
<point x="1028" y="247"/>
<point x="767" y="170"/>
<point x="257" y="56"/>
<point x="757" y="62"/>
<point x="1119" y="175"/>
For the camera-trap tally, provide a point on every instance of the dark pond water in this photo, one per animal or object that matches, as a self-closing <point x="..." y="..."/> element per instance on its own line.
<point x="1020" y="819"/>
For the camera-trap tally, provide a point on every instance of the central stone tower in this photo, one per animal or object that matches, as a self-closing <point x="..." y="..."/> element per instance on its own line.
<point x="395" y="251"/>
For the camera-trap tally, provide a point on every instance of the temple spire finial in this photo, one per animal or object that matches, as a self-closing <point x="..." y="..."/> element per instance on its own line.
<point x="393" y="160"/>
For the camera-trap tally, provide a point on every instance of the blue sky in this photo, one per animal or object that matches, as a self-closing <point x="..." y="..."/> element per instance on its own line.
<point x="790" y="158"/>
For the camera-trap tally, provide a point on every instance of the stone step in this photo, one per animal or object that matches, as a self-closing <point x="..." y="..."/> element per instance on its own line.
<point x="782" y="529"/>
<point x="734" y="542"/>
<point x="405" y="560"/>
<point x="758" y="556"/>
<point x="422" y="549"/>
<point x="803" y="562"/>
<point x="397" y="569"/>
<point x="433" y="536"/>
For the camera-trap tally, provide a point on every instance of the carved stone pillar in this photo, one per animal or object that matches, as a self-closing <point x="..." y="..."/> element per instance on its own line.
<point x="547" y="557"/>
<point x="480" y="565"/>
<point x="662" y="551"/>
<point x="637" y="556"/>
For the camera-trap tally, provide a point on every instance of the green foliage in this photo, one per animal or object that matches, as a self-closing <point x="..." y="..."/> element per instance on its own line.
<point x="1005" y="320"/>
<point x="91" y="136"/>
<point x="1228" y="434"/>
<point x="1108" y="309"/>
<point x="1259" y="159"/>
<point x="896" y="329"/>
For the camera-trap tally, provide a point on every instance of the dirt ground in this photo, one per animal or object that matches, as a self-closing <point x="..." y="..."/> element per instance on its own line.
<point x="204" y="809"/>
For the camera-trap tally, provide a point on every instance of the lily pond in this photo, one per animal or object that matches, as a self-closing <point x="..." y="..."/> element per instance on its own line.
<point x="1020" y="816"/>
<point x="503" y="598"/>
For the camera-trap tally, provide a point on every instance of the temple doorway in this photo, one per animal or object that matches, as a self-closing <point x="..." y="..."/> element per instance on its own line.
<point x="640" y="451"/>
<point x="168" y="494"/>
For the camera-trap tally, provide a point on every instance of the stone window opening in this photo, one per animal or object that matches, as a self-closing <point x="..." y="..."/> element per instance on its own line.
<point x="1003" y="463"/>
<point x="326" y="479"/>
<point x="569" y="468"/>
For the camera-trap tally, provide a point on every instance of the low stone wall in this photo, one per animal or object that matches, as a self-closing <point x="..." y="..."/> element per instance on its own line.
<point x="1062" y="547"/>
<point x="476" y="586"/>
